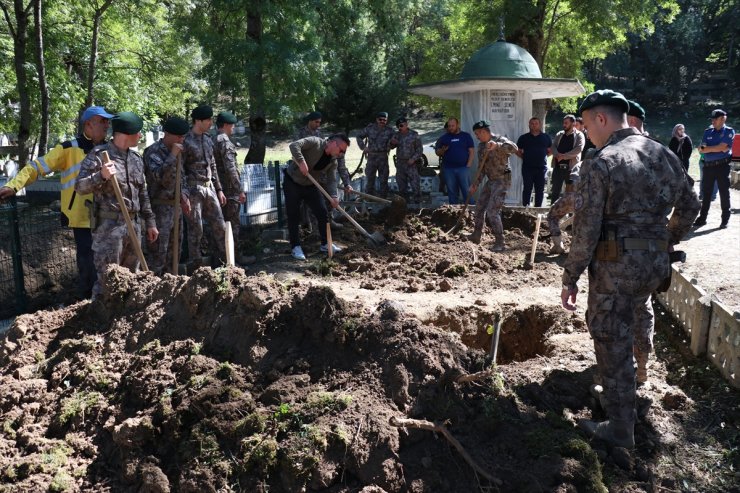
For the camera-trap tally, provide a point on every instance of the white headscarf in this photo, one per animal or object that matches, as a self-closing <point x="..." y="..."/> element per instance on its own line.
<point x="675" y="131"/>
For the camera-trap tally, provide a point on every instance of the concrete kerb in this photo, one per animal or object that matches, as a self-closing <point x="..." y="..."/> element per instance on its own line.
<point x="711" y="328"/>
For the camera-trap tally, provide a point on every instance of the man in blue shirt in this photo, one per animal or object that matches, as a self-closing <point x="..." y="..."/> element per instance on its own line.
<point x="458" y="150"/>
<point x="716" y="146"/>
<point x="534" y="147"/>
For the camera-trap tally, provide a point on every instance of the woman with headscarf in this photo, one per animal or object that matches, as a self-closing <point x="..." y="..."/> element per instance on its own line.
<point x="681" y="145"/>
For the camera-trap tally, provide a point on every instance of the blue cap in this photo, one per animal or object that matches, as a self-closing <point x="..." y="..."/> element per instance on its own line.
<point x="94" y="111"/>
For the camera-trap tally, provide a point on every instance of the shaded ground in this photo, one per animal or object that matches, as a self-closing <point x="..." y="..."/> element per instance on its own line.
<point x="230" y="382"/>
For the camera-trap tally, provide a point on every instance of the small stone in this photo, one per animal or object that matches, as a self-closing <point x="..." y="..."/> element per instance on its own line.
<point x="480" y="302"/>
<point x="390" y="310"/>
<point x="675" y="399"/>
<point x="367" y="285"/>
<point x="429" y="286"/>
<point x="445" y="285"/>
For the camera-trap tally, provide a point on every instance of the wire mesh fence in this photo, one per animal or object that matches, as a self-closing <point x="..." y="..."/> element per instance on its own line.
<point x="37" y="258"/>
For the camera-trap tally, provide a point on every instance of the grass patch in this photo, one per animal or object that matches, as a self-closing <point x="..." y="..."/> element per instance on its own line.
<point x="77" y="405"/>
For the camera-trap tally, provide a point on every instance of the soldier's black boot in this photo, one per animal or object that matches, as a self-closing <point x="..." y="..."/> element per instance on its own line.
<point x="615" y="432"/>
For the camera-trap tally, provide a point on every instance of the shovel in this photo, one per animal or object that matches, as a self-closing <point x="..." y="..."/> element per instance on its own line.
<point x="376" y="238"/>
<point x="397" y="206"/>
<point x="372" y="197"/>
<point x="460" y="222"/>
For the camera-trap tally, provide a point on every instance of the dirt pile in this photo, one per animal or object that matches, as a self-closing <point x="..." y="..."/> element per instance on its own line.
<point x="219" y="382"/>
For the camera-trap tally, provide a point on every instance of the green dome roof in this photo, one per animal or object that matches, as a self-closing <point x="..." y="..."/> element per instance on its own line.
<point x="501" y="59"/>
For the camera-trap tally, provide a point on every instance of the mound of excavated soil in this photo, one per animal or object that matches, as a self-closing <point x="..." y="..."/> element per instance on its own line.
<point x="219" y="382"/>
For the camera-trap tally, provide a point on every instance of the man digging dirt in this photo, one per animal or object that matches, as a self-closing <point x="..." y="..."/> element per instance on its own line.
<point x="622" y="234"/>
<point x="493" y="162"/>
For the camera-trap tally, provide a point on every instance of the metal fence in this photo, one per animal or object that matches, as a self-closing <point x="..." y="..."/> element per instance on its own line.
<point x="37" y="258"/>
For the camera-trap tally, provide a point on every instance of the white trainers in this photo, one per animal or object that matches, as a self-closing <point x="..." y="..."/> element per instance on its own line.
<point x="335" y="249"/>
<point x="298" y="253"/>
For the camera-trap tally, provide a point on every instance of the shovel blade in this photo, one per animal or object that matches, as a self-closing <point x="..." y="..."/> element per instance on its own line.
<point x="456" y="228"/>
<point x="377" y="239"/>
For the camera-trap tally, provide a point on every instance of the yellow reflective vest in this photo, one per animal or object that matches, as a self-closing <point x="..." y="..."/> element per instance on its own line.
<point x="65" y="159"/>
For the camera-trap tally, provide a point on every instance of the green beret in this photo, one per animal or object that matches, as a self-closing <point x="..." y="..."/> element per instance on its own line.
<point x="636" y="110"/>
<point x="604" y="97"/>
<point x="126" y="122"/>
<point x="203" y="112"/>
<point x="225" y="117"/>
<point x="314" y="115"/>
<point x="176" y="126"/>
<point x="382" y="114"/>
<point x="480" y="124"/>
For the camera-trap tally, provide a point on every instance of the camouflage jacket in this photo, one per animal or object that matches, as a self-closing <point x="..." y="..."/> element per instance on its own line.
<point x="573" y="178"/>
<point x="631" y="183"/>
<point x="306" y="132"/>
<point x="198" y="161"/>
<point x="160" y="166"/>
<point x="409" y="146"/>
<point x="496" y="165"/>
<point x="378" y="138"/>
<point x="228" y="171"/>
<point x="131" y="180"/>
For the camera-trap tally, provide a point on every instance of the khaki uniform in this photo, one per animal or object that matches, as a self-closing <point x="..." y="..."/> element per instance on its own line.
<point x="111" y="242"/>
<point x="408" y="147"/>
<point x="376" y="162"/>
<point x="493" y="193"/>
<point x="160" y="167"/>
<point x="224" y="152"/>
<point x="627" y="191"/>
<point x="201" y="177"/>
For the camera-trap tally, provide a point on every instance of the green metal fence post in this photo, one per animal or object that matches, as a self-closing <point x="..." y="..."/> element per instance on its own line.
<point x="15" y="249"/>
<point x="278" y="194"/>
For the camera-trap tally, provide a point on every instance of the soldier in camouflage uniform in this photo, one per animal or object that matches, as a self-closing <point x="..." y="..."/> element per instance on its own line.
<point x="111" y="241"/>
<point x="204" y="188"/>
<point x="622" y="235"/>
<point x="160" y="164"/>
<point x="408" y="159"/>
<point x="378" y="136"/>
<point x="228" y="172"/>
<point x="493" y="156"/>
<point x="565" y="204"/>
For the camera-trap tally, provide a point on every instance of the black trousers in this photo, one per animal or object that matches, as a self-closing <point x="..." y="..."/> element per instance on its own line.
<point x="85" y="264"/>
<point x="559" y="175"/>
<point x="721" y="174"/>
<point x="295" y="195"/>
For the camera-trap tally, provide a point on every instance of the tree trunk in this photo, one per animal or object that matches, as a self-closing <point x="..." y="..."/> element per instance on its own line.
<point x="19" y="34"/>
<point x="256" y="83"/>
<point x="97" y="19"/>
<point x="43" y="86"/>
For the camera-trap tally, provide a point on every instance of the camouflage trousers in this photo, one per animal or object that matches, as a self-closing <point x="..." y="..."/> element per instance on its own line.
<point x="159" y="254"/>
<point x="565" y="204"/>
<point x="377" y="164"/>
<point x="490" y="201"/>
<point x="644" y="328"/>
<point x="231" y="214"/>
<point x="204" y="205"/>
<point x="408" y="175"/>
<point x="617" y="292"/>
<point x="112" y="245"/>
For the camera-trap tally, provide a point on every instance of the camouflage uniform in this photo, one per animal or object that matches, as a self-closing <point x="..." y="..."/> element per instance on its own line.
<point x="111" y="242"/>
<point x="409" y="147"/>
<point x="566" y="203"/>
<point x="376" y="162"/>
<point x="203" y="184"/>
<point x="631" y="185"/>
<point x="160" y="167"/>
<point x="228" y="174"/>
<point x="493" y="193"/>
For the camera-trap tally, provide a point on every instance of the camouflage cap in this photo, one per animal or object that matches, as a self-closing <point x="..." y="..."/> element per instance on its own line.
<point x="636" y="110"/>
<point x="203" y="112"/>
<point x="127" y="123"/>
<point x="604" y="97"/>
<point x="176" y="126"/>
<point x="480" y="124"/>
<point x="225" y="117"/>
